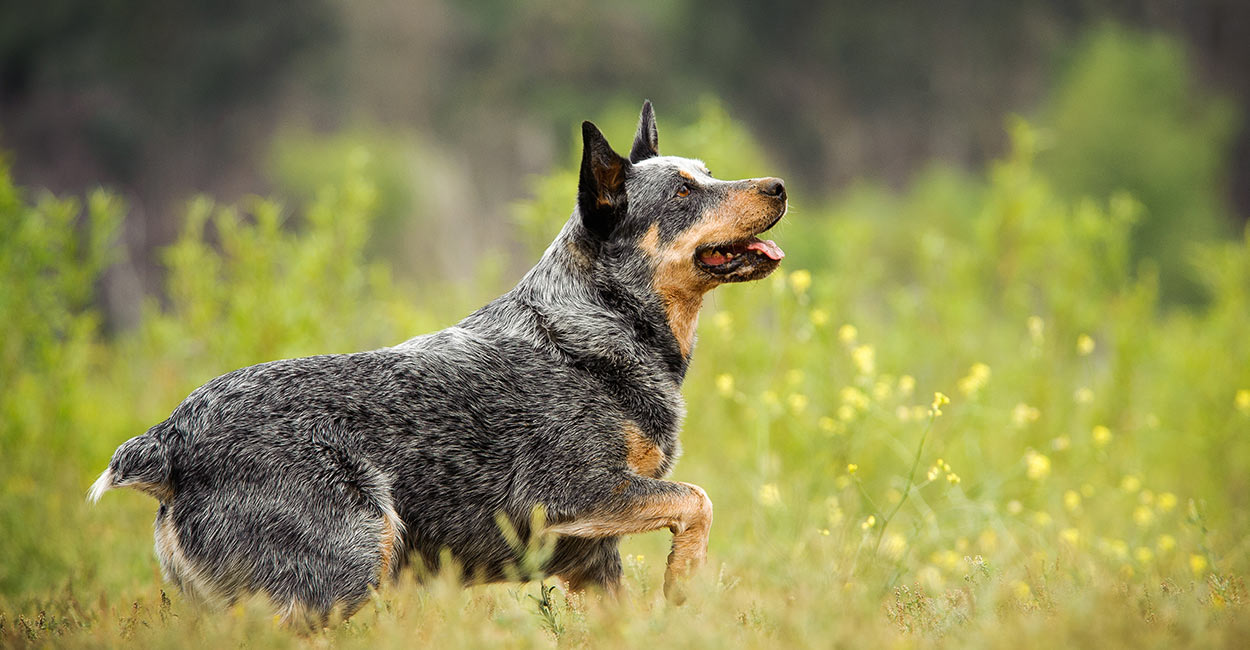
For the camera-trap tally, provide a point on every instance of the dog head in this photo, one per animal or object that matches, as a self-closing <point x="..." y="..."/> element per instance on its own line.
<point x="700" y="231"/>
<point x="687" y="230"/>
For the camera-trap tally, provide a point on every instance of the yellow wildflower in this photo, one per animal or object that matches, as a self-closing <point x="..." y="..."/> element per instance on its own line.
<point x="906" y="384"/>
<point x="894" y="545"/>
<point x="1015" y="507"/>
<point x="801" y="280"/>
<point x="769" y="495"/>
<point x="1143" y="516"/>
<point x="824" y="531"/>
<point x="1166" y="543"/>
<point x="846" y="413"/>
<point x="934" y="472"/>
<point x="1037" y="466"/>
<point x="1070" y="536"/>
<point x="1023" y="414"/>
<point x="847" y="334"/>
<point x="977" y="377"/>
<point x="1084" y="345"/>
<point x="939" y="400"/>
<point x="723" y="321"/>
<point x="881" y="390"/>
<point x="1130" y="483"/>
<point x="1167" y="501"/>
<point x="864" y="357"/>
<point x="819" y="317"/>
<point x="1083" y="395"/>
<point x="1061" y="443"/>
<point x="869" y="522"/>
<point x="1101" y="435"/>
<point x="1197" y="563"/>
<point x="1042" y="519"/>
<point x="798" y="402"/>
<point x="852" y="468"/>
<point x="1037" y="329"/>
<point x="826" y="423"/>
<point x="854" y="397"/>
<point x="952" y="478"/>
<point x="1071" y="500"/>
<point x="725" y="384"/>
<point x="1242" y="400"/>
<point x="1021" y="589"/>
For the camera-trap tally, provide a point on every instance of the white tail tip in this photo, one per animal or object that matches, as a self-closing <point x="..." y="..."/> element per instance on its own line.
<point x="100" y="486"/>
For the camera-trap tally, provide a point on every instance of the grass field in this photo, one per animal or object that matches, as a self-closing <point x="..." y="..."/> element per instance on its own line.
<point x="1086" y="485"/>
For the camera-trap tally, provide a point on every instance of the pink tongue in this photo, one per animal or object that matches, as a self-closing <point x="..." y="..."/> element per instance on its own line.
<point x="767" y="247"/>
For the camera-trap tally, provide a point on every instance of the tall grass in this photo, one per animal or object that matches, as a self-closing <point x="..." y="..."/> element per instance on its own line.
<point x="958" y="415"/>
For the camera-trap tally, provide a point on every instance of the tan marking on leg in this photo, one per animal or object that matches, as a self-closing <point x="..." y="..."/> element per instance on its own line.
<point x="391" y="542"/>
<point x="688" y="515"/>
<point x="177" y="568"/>
<point x="641" y="454"/>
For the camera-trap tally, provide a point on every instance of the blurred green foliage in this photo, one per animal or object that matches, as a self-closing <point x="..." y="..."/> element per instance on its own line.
<point x="1088" y="477"/>
<point x="1129" y="116"/>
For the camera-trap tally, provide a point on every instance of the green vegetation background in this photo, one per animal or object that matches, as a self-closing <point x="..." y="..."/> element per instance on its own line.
<point x="1086" y="484"/>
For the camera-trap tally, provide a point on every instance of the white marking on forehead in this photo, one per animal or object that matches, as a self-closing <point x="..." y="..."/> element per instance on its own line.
<point x="691" y="165"/>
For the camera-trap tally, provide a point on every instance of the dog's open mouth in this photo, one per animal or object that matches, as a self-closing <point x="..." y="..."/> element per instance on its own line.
<point x="747" y="257"/>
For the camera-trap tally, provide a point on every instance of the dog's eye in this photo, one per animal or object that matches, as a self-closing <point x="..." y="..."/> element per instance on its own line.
<point x="683" y="191"/>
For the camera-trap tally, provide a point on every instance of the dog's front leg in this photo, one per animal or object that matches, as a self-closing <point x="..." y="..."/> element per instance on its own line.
<point x="641" y="505"/>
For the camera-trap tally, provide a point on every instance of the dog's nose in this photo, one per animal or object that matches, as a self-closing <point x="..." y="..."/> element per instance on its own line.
<point x="772" y="187"/>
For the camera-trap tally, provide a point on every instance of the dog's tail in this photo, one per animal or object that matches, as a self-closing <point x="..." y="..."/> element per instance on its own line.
<point x="142" y="463"/>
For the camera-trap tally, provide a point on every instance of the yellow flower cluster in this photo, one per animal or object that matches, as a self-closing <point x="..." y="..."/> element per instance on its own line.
<point x="1037" y="465"/>
<point x="1023" y="414"/>
<point x="978" y="376"/>
<point x="939" y="400"/>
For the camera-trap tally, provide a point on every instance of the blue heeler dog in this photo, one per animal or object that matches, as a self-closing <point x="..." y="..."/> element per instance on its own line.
<point x="314" y="480"/>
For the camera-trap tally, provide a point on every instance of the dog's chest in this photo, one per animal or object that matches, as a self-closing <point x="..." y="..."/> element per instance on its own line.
<point x="651" y="445"/>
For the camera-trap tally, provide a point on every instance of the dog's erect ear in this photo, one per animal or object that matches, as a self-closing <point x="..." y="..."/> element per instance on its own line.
<point x="601" y="186"/>
<point x="647" y="140"/>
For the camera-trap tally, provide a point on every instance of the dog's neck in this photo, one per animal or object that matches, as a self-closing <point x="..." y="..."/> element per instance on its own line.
<point x="599" y="301"/>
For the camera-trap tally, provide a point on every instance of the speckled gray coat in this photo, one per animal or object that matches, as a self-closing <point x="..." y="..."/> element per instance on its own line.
<point x="313" y="479"/>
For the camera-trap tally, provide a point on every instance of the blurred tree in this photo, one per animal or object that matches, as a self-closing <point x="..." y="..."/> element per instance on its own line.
<point x="1127" y="116"/>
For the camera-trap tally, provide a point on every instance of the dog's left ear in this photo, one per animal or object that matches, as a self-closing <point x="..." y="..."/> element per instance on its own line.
<point x="647" y="140"/>
<point x="601" y="185"/>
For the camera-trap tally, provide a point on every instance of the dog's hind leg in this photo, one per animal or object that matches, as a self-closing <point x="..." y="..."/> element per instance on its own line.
<point x="640" y="505"/>
<point x="583" y="562"/>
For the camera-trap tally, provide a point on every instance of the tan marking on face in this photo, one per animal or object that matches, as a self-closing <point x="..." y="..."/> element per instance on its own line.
<point x="688" y="515"/>
<point x="677" y="281"/>
<point x="686" y="175"/>
<point x="641" y="454"/>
